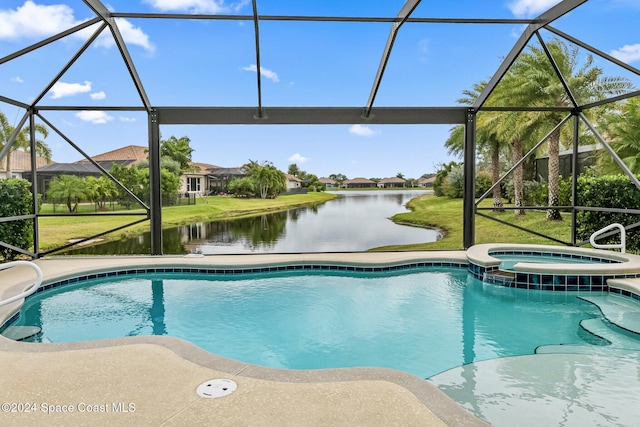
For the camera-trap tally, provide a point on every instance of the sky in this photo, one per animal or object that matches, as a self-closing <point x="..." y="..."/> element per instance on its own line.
<point x="303" y="64"/>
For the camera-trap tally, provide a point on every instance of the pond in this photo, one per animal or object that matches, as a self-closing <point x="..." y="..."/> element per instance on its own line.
<point x="355" y="221"/>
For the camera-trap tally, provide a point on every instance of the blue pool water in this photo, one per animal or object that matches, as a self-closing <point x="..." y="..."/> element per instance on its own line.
<point x="420" y="320"/>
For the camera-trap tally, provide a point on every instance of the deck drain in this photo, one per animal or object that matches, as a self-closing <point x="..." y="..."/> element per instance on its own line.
<point x="216" y="388"/>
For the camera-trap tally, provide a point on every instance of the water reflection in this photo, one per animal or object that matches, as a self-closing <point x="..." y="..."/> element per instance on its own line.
<point x="356" y="221"/>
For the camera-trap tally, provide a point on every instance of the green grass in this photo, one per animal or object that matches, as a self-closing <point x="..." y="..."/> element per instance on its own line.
<point x="446" y="214"/>
<point x="56" y="231"/>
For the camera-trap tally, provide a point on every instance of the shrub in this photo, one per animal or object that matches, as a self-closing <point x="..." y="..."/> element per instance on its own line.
<point x="607" y="191"/>
<point x="16" y="200"/>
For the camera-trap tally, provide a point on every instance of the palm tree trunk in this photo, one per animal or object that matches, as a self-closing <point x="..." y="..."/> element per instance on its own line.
<point x="554" y="174"/>
<point x="8" y="163"/>
<point x="518" y="174"/>
<point x="495" y="176"/>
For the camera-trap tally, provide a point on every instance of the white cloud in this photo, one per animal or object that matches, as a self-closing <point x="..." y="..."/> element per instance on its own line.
<point x="530" y="8"/>
<point x="130" y="34"/>
<point x="17" y="79"/>
<point x="263" y="71"/>
<point x="35" y="20"/>
<point x="95" y="117"/>
<point x="127" y="119"/>
<point x="98" y="95"/>
<point x="61" y="89"/>
<point x="298" y="158"/>
<point x="627" y="53"/>
<point x="361" y="130"/>
<point x="191" y="6"/>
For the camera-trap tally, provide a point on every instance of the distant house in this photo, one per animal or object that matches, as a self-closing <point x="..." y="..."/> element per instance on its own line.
<point x="394" y="182"/>
<point x="328" y="182"/>
<point x="195" y="182"/>
<point x="125" y="156"/>
<point x="359" y="183"/>
<point x="20" y="164"/>
<point x="293" y="183"/>
<point x="426" y="182"/>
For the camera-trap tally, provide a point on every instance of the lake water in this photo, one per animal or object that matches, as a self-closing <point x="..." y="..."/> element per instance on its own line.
<point x="355" y="221"/>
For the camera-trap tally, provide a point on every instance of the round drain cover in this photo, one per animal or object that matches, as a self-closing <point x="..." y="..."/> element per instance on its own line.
<point x="216" y="388"/>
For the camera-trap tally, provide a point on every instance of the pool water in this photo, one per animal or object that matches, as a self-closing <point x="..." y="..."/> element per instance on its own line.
<point x="420" y="320"/>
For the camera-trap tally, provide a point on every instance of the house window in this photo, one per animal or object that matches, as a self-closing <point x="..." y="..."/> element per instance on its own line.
<point x="193" y="184"/>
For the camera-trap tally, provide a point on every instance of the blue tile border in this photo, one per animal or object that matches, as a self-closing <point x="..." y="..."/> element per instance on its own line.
<point x="549" y="282"/>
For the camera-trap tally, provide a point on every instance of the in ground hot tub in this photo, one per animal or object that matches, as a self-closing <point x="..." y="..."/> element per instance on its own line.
<point x="551" y="268"/>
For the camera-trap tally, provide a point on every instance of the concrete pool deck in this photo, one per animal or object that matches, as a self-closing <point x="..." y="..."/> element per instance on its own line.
<point x="150" y="381"/>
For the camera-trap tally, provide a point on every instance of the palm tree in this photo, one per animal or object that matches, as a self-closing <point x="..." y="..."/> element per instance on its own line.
<point x="22" y="141"/>
<point x="487" y="139"/>
<point x="623" y="129"/>
<point x="70" y="188"/>
<point x="532" y="81"/>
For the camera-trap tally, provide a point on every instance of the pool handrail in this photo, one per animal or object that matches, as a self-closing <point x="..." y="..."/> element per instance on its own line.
<point x="623" y="239"/>
<point x="28" y="290"/>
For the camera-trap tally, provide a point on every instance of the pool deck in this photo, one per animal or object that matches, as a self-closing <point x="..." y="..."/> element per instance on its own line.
<point x="152" y="381"/>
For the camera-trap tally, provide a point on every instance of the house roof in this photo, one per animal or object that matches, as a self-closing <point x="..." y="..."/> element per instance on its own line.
<point x="292" y="178"/>
<point x="392" y="180"/>
<point x="427" y="180"/>
<point x="327" y="181"/>
<point x="359" y="180"/>
<point x="202" y="167"/>
<point x="21" y="161"/>
<point x="131" y="154"/>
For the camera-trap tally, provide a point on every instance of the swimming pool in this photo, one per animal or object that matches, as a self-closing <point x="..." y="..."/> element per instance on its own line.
<point x="421" y="320"/>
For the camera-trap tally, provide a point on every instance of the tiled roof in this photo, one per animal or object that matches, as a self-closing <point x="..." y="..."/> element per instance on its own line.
<point x="131" y="154"/>
<point x="292" y="178"/>
<point x="359" y="181"/>
<point x="21" y="161"/>
<point x="202" y="167"/>
<point x="392" y="180"/>
<point x="327" y="181"/>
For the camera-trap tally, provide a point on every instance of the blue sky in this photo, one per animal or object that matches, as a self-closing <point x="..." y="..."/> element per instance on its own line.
<point x="212" y="63"/>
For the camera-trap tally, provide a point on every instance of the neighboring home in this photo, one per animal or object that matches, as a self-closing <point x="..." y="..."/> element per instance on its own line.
<point x="394" y="182"/>
<point x="125" y="156"/>
<point x="20" y="164"/>
<point x="586" y="158"/>
<point x="196" y="182"/>
<point x="292" y="182"/>
<point x="328" y="182"/>
<point x="359" y="183"/>
<point x="426" y="182"/>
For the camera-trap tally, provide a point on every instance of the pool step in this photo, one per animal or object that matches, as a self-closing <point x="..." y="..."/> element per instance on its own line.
<point x="620" y="311"/>
<point x="621" y="342"/>
<point x="19" y="333"/>
<point x="617" y="337"/>
<point x="501" y="278"/>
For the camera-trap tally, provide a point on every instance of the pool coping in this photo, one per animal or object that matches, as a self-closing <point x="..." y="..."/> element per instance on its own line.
<point x="628" y="263"/>
<point x="430" y="398"/>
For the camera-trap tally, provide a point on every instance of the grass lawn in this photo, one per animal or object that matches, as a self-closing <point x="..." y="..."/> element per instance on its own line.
<point x="446" y="214"/>
<point x="56" y="231"/>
